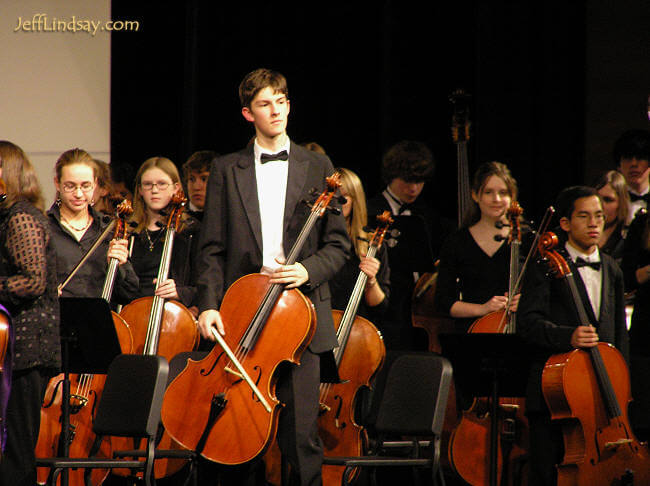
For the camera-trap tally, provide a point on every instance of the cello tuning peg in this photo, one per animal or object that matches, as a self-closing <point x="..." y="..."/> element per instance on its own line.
<point x="395" y="233"/>
<point x="391" y="242"/>
<point x="341" y="199"/>
<point x="159" y="224"/>
<point x="501" y="224"/>
<point x="133" y="224"/>
<point x="500" y="237"/>
<point x="363" y="239"/>
<point x="368" y="229"/>
<point x="332" y="210"/>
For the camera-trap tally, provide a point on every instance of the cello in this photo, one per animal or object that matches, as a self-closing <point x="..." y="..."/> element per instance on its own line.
<point x="358" y="357"/>
<point x="589" y="391"/>
<point x="233" y="419"/>
<point x="470" y="440"/>
<point x="162" y="327"/>
<point x="88" y="387"/>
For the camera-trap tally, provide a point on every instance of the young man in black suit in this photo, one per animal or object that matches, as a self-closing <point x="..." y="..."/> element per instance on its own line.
<point x="547" y="317"/>
<point x="252" y="217"/>
<point x="405" y="168"/>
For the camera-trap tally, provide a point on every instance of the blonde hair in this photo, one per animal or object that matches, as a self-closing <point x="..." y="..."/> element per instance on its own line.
<point x="139" y="207"/>
<point x="19" y="176"/>
<point x="358" y="218"/>
<point x="615" y="179"/>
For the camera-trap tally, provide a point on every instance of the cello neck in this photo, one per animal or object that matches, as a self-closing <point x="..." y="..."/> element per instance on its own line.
<point x="109" y="281"/>
<point x="345" y="326"/>
<point x="602" y="376"/>
<point x="158" y="305"/>
<point x="256" y="326"/>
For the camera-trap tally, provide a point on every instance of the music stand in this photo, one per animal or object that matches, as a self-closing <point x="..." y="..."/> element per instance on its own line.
<point x="489" y="365"/>
<point x="88" y="345"/>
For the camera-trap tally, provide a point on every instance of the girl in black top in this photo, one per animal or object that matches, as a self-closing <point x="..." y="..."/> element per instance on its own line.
<point x="28" y="291"/>
<point x="156" y="183"/>
<point x="75" y="226"/>
<point x="474" y="267"/>
<point x="375" y="297"/>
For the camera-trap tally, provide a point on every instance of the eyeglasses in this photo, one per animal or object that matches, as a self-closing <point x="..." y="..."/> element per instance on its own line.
<point x="148" y="186"/>
<point x="85" y="187"/>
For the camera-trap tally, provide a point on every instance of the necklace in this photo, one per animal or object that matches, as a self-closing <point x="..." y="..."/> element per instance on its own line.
<point x="70" y="225"/>
<point x="153" y="242"/>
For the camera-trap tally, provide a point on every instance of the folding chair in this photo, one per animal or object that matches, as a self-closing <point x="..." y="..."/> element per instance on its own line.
<point x="176" y="365"/>
<point x="129" y="407"/>
<point x="412" y="404"/>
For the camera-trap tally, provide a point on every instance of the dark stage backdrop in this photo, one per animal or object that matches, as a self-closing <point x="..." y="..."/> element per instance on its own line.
<point x="362" y="75"/>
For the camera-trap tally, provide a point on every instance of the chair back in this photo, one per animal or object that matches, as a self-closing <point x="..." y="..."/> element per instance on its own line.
<point x="132" y="397"/>
<point x="414" y="398"/>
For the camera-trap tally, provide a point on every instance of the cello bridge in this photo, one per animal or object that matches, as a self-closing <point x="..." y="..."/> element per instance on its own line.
<point x="616" y="444"/>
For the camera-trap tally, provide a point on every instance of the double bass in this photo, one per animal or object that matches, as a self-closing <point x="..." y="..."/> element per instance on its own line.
<point x="470" y="440"/>
<point x="87" y="388"/>
<point x="162" y="327"/>
<point x="589" y="391"/>
<point x="234" y="413"/>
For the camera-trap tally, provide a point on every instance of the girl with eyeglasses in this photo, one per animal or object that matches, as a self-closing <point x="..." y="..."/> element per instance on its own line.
<point x="156" y="183"/>
<point x="75" y="226"/>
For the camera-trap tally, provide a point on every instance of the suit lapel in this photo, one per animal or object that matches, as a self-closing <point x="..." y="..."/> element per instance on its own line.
<point x="298" y="168"/>
<point x="582" y="291"/>
<point x="244" y="172"/>
<point x="605" y="303"/>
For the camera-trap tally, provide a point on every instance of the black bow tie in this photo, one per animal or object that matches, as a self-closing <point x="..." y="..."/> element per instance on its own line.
<point x="636" y="197"/>
<point x="264" y="158"/>
<point x="581" y="262"/>
<point x="405" y="207"/>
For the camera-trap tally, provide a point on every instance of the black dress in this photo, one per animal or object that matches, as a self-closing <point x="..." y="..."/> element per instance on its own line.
<point x="467" y="271"/>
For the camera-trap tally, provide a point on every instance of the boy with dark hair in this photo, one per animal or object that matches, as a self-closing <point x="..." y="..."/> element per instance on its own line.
<point x="547" y="317"/>
<point x="405" y="168"/>
<point x="252" y="217"/>
<point x="631" y="154"/>
<point x="195" y="174"/>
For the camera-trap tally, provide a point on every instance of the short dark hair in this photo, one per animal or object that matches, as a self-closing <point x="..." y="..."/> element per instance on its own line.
<point x="199" y="161"/>
<point x="632" y="144"/>
<point x="408" y="160"/>
<point x="565" y="202"/>
<point x="257" y="80"/>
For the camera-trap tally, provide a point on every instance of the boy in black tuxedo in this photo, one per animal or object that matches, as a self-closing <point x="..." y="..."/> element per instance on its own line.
<point x="547" y="316"/>
<point x="253" y="215"/>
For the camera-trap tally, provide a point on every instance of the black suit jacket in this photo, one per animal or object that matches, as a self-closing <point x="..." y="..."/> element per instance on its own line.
<point x="547" y="317"/>
<point x="230" y="242"/>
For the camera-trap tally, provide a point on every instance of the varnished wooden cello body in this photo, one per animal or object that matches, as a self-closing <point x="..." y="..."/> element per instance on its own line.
<point x="589" y="391"/>
<point x="469" y="448"/>
<point x="162" y="327"/>
<point x="86" y="388"/>
<point x="234" y="412"/>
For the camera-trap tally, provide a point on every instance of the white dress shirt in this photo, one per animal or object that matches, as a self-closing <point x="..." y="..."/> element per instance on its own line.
<point x="592" y="278"/>
<point x="271" y="192"/>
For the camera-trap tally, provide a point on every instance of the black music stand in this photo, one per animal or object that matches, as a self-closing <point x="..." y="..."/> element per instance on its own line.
<point x="489" y="365"/>
<point x="88" y="345"/>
